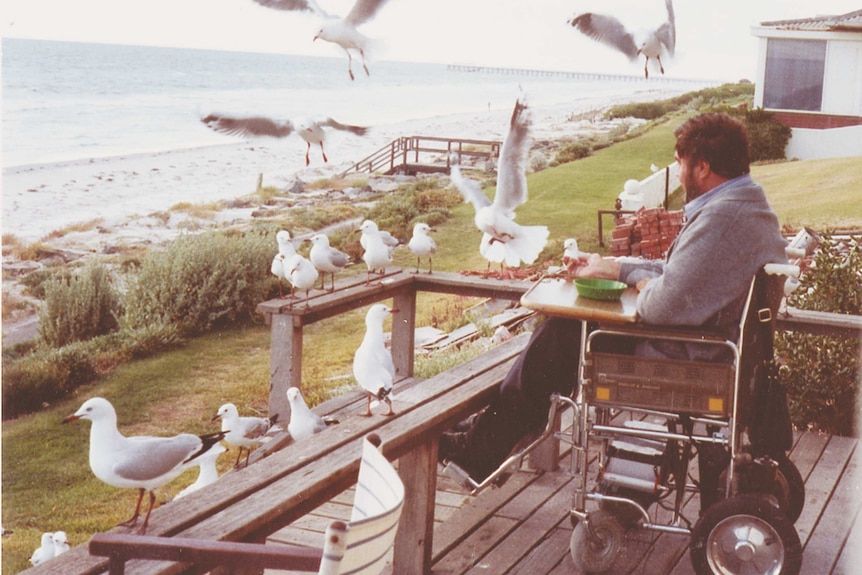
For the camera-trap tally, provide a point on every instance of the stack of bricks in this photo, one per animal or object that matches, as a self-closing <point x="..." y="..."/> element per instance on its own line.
<point x="647" y="233"/>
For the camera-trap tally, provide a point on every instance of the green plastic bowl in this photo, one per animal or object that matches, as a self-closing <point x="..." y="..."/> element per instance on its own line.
<point x="596" y="288"/>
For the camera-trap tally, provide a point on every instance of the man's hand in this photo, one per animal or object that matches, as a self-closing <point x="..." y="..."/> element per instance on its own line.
<point x="594" y="266"/>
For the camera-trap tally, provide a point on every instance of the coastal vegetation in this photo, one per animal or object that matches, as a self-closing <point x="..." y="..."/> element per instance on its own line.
<point x="170" y="334"/>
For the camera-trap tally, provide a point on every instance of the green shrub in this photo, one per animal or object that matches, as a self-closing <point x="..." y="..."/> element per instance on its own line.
<point x="572" y="152"/>
<point x="79" y="307"/>
<point x="201" y="281"/>
<point x="643" y="110"/>
<point x="768" y="137"/>
<point x="822" y="372"/>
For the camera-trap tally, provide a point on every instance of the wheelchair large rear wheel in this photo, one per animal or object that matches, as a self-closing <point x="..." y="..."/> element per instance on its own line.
<point x="746" y="534"/>
<point x="598" y="543"/>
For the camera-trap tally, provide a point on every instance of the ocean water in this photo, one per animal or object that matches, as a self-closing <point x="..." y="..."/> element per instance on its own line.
<point x="67" y="101"/>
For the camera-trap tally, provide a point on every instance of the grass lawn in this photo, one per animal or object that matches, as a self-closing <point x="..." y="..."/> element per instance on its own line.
<point x="46" y="480"/>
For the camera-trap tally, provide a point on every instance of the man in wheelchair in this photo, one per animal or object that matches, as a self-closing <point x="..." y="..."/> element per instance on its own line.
<point x="730" y="233"/>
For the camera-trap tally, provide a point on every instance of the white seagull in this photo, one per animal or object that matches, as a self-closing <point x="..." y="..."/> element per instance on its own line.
<point x="277" y="269"/>
<point x="285" y="243"/>
<point x="372" y="363"/>
<point x="244" y="432"/>
<point x="610" y="31"/>
<point x="301" y="273"/>
<point x="341" y="31"/>
<point x="378" y="248"/>
<point x="311" y="130"/>
<point x="422" y="245"/>
<point x="503" y="240"/>
<point x="303" y="422"/>
<point x="140" y="462"/>
<point x="326" y="259"/>
<point x="208" y="472"/>
<point x="570" y="250"/>
<point x="45" y="551"/>
<point x="61" y="543"/>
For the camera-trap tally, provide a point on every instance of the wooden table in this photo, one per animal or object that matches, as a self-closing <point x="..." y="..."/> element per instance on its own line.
<point x="558" y="297"/>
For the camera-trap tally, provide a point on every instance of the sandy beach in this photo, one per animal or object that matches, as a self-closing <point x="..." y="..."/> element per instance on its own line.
<point x="40" y="199"/>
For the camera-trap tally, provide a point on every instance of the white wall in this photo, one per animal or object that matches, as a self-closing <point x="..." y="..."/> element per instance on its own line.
<point x="807" y="144"/>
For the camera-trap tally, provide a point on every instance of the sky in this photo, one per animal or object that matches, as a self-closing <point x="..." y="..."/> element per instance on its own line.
<point x="714" y="39"/>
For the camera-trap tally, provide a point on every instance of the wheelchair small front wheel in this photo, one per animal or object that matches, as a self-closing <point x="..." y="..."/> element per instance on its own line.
<point x="745" y="534"/>
<point x="598" y="542"/>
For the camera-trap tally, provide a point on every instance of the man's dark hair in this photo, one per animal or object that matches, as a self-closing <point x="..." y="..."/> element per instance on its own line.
<point x="718" y="139"/>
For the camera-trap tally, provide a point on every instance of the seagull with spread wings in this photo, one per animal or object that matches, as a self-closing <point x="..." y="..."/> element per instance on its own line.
<point x="341" y="31"/>
<point x="503" y="239"/>
<point x="610" y="31"/>
<point x="310" y="130"/>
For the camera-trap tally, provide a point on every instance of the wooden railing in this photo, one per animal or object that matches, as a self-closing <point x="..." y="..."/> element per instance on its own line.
<point x="251" y="504"/>
<point x="412" y="154"/>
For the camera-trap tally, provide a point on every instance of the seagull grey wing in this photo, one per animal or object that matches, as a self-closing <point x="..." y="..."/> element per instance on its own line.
<point x="294" y="6"/>
<point x="147" y="458"/>
<point x="512" y="168"/>
<point x="666" y="33"/>
<point x="338" y="258"/>
<point x="469" y="189"/>
<point x="363" y="11"/>
<point x="358" y="130"/>
<point x="256" y="428"/>
<point x="252" y="126"/>
<point x="607" y="30"/>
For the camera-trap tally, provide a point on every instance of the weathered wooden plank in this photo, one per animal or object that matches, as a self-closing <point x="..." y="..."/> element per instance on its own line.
<point x="821" y="483"/>
<point x="807" y="451"/>
<point x="414" y="541"/>
<point x="548" y="554"/>
<point x="531" y="530"/>
<point x="472" y="550"/>
<point x="477" y="510"/>
<point x="850" y="561"/>
<point x="825" y="543"/>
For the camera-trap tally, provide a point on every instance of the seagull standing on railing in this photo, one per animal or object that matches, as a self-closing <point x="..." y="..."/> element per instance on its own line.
<point x="45" y="551"/>
<point x="326" y="258"/>
<point x="341" y="31"/>
<point x="244" y="432"/>
<point x="61" y="542"/>
<point x="372" y="364"/>
<point x="422" y="245"/>
<point x="503" y="240"/>
<point x="303" y="422"/>
<point x="301" y="273"/>
<point x="142" y="462"/>
<point x="311" y="130"/>
<point x="610" y="31"/>
<point x="378" y="248"/>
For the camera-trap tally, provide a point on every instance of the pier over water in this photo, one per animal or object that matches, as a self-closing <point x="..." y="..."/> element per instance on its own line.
<point x="575" y="75"/>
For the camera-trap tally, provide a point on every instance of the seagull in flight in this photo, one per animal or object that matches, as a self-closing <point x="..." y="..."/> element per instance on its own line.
<point x="341" y="31"/>
<point x="503" y="239"/>
<point x="312" y="130"/>
<point x="610" y="31"/>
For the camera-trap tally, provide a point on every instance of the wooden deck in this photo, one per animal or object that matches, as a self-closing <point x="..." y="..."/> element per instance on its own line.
<point x="523" y="527"/>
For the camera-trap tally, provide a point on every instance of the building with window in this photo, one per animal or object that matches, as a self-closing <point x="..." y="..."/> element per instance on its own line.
<point x="809" y="74"/>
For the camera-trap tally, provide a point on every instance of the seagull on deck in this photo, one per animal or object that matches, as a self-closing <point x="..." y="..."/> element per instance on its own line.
<point x="301" y="273"/>
<point x="303" y="422"/>
<point x="208" y="472"/>
<point x="244" y="432"/>
<point x="312" y="130"/>
<point x="326" y="259"/>
<point x="378" y="248"/>
<point x="341" y="31"/>
<point x="610" y="31"/>
<point x="503" y="240"/>
<point x="372" y="363"/>
<point x="140" y="462"/>
<point x="45" y="551"/>
<point x="61" y="542"/>
<point x="286" y="250"/>
<point x="422" y="245"/>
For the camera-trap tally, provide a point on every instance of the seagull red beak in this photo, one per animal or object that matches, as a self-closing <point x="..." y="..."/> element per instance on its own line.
<point x="72" y="418"/>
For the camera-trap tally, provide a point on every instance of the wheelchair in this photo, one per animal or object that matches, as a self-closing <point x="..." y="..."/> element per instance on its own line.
<point x="641" y="423"/>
